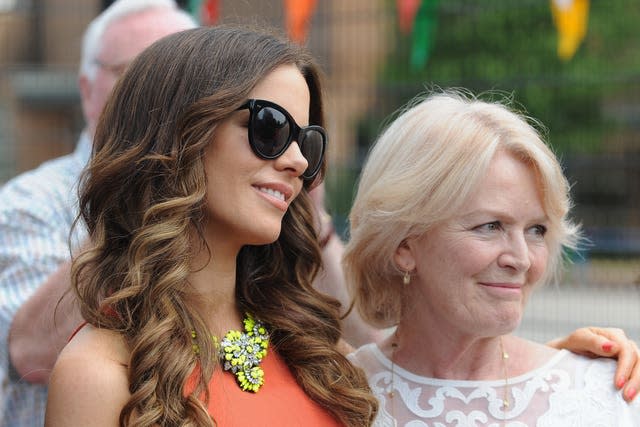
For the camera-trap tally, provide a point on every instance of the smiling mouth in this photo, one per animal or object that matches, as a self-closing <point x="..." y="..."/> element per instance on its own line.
<point x="502" y="288"/>
<point x="272" y="192"/>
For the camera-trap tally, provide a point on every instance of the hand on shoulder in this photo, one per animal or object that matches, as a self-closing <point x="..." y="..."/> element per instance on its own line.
<point x="88" y="385"/>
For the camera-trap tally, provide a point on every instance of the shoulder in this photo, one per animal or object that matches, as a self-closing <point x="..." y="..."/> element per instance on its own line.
<point x="40" y="200"/>
<point x="367" y="357"/>
<point x="592" y="394"/>
<point x="60" y="170"/>
<point x="589" y="368"/>
<point x="578" y="372"/>
<point x="89" y="381"/>
<point x="53" y="178"/>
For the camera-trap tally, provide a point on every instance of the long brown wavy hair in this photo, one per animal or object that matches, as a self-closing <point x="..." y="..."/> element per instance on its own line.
<point x="143" y="196"/>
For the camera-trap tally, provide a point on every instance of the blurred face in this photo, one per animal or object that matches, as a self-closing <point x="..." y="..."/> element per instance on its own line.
<point x="473" y="273"/>
<point x="122" y="41"/>
<point x="247" y="196"/>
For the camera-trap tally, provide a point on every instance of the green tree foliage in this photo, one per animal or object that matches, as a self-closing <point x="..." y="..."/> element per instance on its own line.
<point x="510" y="46"/>
<point x="590" y="104"/>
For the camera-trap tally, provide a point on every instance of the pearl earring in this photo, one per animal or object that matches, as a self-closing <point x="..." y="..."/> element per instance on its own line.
<point x="406" y="279"/>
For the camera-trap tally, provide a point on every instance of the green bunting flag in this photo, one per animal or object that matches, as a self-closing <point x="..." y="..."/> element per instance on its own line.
<point x="424" y="30"/>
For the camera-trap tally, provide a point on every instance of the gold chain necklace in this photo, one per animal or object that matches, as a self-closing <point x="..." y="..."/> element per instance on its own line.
<point x="394" y="346"/>
<point x="504" y="356"/>
<point x="506" y="403"/>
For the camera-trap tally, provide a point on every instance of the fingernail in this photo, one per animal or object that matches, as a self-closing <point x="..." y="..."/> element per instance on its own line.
<point x="630" y="393"/>
<point x="620" y="383"/>
<point x="607" y="346"/>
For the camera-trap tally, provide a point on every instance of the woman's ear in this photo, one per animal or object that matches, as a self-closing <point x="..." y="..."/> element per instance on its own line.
<point x="403" y="256"/>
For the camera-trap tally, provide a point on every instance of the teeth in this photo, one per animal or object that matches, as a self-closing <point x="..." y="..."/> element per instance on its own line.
<point x="274" y="193"/>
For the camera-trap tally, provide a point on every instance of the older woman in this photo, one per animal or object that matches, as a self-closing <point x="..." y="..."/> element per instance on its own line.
<point x="461" y="211"/>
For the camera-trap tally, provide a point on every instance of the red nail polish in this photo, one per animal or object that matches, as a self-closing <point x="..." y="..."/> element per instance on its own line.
<point x="607" y="347"/>
<point x="630" y="393"/>
<point x="620" y="383"/>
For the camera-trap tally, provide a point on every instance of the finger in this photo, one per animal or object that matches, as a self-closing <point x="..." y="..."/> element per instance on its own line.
<point x="609" y="342"/>
<point x="628" y="359"/>
<point x="630" y="390"/>
<point x="615" y="343"/>
<point x="627" y="375"/>
<point x="592" y="341"/>
<point x="606" y="342"/>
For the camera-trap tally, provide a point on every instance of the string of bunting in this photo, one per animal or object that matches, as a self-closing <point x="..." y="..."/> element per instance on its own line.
<point x="418" y="19"/>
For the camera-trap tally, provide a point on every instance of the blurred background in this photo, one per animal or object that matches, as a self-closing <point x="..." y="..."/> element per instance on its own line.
<point x="572" y="64"/>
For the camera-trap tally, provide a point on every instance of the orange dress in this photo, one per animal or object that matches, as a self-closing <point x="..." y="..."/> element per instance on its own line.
<point x="279" y="402"/>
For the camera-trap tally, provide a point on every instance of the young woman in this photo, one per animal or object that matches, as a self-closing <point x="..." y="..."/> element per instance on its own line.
<point x="197" y="290"/>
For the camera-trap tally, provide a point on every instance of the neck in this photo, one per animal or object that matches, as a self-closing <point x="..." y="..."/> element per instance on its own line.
<point x="461" y="358"/>
<point x="213" y="288"/>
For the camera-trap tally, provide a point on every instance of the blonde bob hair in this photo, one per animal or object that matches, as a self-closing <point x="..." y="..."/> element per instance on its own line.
<point x="420" y="171"/>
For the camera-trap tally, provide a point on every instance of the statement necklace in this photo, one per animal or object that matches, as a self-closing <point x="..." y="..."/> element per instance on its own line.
<point x="242" y="352"/>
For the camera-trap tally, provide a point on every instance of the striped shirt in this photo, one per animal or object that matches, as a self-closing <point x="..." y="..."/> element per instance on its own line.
<point x="37" y="210"/>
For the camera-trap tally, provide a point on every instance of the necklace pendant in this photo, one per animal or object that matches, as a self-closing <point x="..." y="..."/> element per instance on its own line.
<point x="242" y="352"/>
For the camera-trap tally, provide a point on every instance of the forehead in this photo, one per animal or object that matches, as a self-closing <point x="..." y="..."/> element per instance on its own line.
<point x="509" y="184"/>
<point x="287" y="87"/>
<point x="127" y="36"/>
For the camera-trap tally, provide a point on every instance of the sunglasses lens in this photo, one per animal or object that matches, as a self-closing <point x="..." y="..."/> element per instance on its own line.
<point x="271" y="131"/>
<point x="312" y="148"/>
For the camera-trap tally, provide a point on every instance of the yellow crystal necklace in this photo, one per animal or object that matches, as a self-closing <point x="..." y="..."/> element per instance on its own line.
<point x="242" y="352"/>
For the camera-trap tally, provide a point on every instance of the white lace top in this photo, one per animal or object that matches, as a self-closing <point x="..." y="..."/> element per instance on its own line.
<point x="569" y="390"/>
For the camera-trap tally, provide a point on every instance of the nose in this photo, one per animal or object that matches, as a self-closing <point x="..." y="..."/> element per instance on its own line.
<point x="516" y="254"/>
<point x="292" y="160"/>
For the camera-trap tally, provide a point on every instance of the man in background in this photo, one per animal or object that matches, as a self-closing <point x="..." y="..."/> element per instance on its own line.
<point x="37" y="210"/>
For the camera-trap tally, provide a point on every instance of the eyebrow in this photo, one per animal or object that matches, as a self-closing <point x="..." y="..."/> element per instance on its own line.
<point x="500" y="215"/>
<point x="116" y="67"/>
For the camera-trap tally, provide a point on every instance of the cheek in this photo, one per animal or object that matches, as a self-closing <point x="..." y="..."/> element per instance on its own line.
<point x="478" y="256"/>
<point x="103" y="86"/>
<point x="465" y="259"/>
<point x="539" y="262"/>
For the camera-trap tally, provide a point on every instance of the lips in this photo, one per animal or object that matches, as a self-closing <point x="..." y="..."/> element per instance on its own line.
<point x="278" y="194"/>
<point x="272" y="192"/>
<point x="503" y="285"/>
<point x="281" y="191"/>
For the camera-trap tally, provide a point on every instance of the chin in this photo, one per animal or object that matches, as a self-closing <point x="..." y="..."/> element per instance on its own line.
<point x="266" y="237"/>
<point x="509" y="325"/>
<point x="506" y="323"/>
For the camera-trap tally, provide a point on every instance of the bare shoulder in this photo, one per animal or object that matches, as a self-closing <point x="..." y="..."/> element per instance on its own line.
<point x="88" y="385"/>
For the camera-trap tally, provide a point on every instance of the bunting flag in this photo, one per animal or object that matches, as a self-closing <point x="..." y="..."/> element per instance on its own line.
<point x="570" y="18"/>
<point x="298" y="14"/>
<point x="424" y="31"/>
<point x="205" y="12"/>
<point x="407" y="10"/>
<point x="209" y="12"/>
<point x="193" y="7"/>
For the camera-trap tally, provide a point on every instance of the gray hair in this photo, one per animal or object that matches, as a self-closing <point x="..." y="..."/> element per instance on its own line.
<point x="92" y="39"/>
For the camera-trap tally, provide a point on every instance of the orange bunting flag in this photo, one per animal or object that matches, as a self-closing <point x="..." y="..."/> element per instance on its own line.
<point x="298" y="14"/>
<point x="407" y="10"/>
<point x="209" y="12"/>
<point x="570" y="18"/>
